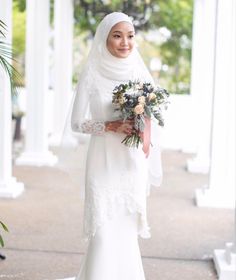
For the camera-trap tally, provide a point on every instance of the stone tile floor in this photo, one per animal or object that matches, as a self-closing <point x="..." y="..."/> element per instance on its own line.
<point x="45" y="222"/>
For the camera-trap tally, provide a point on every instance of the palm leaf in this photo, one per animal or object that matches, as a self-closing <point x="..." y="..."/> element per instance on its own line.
<point x="4" y="226"/>
<point x="5" y="60"/>
<point x="1" y="241"/>
<point x="2" y="26"/>
<point x="6" y="229"/>
<point x="12" y="73"/>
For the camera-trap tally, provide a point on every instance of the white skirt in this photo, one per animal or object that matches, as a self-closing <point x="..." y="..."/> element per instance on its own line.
<point x="113" y="252"/>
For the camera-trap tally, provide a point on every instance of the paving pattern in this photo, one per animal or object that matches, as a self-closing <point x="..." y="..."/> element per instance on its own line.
<point x="45" y="239"/>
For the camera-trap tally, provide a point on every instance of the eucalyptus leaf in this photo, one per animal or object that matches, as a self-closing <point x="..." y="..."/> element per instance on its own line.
<point x="147" y="111"/>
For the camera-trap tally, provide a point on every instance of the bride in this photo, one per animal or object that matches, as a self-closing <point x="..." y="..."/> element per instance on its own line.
<point x="117" y="177"/>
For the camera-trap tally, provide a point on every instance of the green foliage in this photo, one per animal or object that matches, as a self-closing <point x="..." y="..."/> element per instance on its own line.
<point x="174" y="15"/>
<point x="88" y="13"/>
<point x="18" y="38"/>
<point x="20" y="4"/>
<point x="6" y="58"/>
<point x="19" y="28"/>
<point x="51" y="11"/>
<point x="5" y="229"/>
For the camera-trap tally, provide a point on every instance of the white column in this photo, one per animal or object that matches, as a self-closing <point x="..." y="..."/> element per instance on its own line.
<point x="225" y="262"/>
<point x="36" y="142"/>
<point x="63" y="44"/>
<point x="202" y="83"/>
<point x="221" y="189"/>
<point x="9" y="187"/>
<point x="196" y="73"/>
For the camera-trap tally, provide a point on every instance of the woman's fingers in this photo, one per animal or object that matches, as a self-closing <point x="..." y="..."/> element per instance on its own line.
<point x="125" y="128"/>
<point x="121" y="126"/>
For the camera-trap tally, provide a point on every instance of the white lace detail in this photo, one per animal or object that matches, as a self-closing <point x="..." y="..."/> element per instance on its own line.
<point x="101" y="203"/>
<point x="90" y="127"/>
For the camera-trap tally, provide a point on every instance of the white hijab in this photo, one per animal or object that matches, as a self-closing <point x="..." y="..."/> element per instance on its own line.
<point x="101" y="62"/>
<point x="105" y="63"/>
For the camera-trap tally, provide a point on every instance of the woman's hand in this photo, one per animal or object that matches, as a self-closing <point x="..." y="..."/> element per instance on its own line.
<point x="120" y="126"/>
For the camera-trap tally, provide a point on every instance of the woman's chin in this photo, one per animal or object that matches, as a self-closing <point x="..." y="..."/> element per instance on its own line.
<point x="123" y="54"/>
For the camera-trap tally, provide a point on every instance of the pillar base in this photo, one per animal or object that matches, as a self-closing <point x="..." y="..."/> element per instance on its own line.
<point x="11" y="189"/>
<point x="36" y="159"/>
<point x="225" y="263"/>
<point x="72" y="278"/>
<point x="55" y="139"/>
<point x="206" y="197"/>
<point x="196" y="165"/>
<point x="189" y="149"/>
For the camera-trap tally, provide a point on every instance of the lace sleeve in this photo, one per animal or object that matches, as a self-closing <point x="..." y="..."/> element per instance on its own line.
<point x="81" y="120"/>
<point x="89" y="127"/>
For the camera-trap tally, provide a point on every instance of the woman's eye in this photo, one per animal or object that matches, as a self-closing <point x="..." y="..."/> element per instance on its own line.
<point x="117" y="36"/>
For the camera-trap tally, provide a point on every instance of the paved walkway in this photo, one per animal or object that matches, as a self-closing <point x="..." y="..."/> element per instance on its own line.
<point x="45" y="239"/>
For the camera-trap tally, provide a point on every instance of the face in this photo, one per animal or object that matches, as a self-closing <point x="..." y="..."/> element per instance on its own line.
<point x="120" y="40"/>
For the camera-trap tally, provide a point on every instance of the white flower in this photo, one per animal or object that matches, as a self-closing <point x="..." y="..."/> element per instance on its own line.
<point x="152" y="96"/>
<point x="141" y="100"/>
<point x="122" y="100"/>
<point x="139" y="109"/>
<point x="129" y="91"/>
<point x="137" y="86"/>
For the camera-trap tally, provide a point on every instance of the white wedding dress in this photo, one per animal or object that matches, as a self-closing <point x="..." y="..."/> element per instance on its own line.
<point x="116" y="178"/>
<point x="116" y="187"/>
<point x="113" y="253"/>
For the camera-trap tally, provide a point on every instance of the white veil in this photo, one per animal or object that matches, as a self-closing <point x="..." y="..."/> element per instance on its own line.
<point x="74" y="146"/>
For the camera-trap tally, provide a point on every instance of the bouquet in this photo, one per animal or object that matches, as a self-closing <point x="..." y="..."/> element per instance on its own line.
<point x="139" y="102"/>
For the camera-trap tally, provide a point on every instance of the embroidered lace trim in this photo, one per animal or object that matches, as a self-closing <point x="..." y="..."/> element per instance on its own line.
<point x="90" y="127"/>
<point x="101" y="205"/>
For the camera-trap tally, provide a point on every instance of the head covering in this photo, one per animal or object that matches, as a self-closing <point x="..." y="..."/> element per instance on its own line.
<point x="102" y="64"/>
<point x="106" y="64"/>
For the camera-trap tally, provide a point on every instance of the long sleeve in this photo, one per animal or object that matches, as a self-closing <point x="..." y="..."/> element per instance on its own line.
<point x="89" y="127"/>
<point x="80" y="121"/>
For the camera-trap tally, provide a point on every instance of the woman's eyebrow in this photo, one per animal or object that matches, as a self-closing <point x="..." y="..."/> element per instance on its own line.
<point x="118" y="31"/>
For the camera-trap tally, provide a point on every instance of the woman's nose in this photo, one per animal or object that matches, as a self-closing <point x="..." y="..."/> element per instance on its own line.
<point x="124" y="41"/>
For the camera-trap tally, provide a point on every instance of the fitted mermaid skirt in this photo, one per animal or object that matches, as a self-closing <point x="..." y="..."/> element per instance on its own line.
<point x="113" y="253"/>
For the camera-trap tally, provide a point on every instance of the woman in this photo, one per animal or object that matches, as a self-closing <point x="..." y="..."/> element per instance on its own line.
<point x="117" y="178"/>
